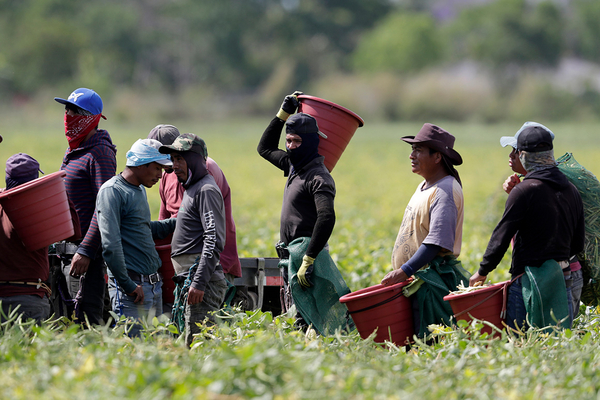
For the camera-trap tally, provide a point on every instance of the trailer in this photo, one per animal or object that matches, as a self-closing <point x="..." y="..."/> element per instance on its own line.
<point x="260" y="286"/>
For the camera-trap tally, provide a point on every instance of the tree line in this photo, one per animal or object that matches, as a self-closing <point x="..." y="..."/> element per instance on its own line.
<point x="244" y="46"/>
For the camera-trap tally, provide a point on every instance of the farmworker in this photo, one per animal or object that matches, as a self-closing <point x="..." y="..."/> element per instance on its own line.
<point x="308" y="197"/>
<point x="544" y="214"/>
<point x="171" y="193"/>
<point x="573" y="274"/>
<point x="135" y="286"/>
<point x="89" y="161"/>
<point x="24" y="273"/>
<point x="199" y="235"/>
<point x="430" y="236"/>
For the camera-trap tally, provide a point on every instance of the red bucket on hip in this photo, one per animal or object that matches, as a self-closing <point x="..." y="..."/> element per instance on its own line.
<point x="335" y="121"/>
<point x="487" y="304"/>
<point x="39" y="211"/>
<point x="382" y="308"/>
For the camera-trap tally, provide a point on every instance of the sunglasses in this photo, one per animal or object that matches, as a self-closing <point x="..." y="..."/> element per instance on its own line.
<point x="77" y="110"/>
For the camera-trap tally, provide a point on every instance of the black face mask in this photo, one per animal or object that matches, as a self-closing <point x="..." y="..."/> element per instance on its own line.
<point x="306" y="152"/>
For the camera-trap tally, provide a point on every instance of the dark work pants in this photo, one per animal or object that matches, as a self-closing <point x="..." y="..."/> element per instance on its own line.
<point x="92" y="301"/>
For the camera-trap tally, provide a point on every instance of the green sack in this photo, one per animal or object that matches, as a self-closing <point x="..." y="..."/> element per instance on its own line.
<point x="545" y="295"/>
<point x="442" y="276"/>
<point x="589" y="189"/>
<point x="319" y="304"/>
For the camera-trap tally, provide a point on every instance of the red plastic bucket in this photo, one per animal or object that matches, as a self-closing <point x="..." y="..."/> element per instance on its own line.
<point x="382" y="308"/>
<point x="335" y="121"/>
<point x="39" y="211"/>
<point x="167" y="271"/>
<point x="487" y="304"/>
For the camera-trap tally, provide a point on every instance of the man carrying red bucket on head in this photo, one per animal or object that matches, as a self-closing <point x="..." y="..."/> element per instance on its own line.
<point x="307" y="219"/>
<point x="430" y="235"/>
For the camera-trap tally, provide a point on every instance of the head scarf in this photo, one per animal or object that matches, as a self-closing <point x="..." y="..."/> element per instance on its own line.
<point x="450" y="168"/>
<point x="537" y="161"/>
<point x="145" y="151"/>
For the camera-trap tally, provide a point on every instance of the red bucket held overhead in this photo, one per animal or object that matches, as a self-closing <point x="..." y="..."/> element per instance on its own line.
<point x="335" y="121"/>
<point x="382" y="308"/>
<point x="39" y="211"/>
<point x="487" y="304"/>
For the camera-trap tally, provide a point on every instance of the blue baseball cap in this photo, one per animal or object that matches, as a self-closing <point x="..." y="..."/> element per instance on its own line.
<point x="85" y="99"/>
<point x="512" y="140"/>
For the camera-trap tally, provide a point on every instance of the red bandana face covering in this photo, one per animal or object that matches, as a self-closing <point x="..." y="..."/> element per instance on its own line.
<point x="77" y="128"/>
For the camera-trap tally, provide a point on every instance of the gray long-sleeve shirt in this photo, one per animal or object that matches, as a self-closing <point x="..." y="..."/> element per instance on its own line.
<point x="201" y="228"/>
<point x="127" y="230"/>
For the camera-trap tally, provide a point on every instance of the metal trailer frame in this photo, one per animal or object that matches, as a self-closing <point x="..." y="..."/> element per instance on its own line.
<point x="262" y="281"/>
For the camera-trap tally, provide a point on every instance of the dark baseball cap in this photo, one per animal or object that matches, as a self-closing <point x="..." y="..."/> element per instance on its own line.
<point x="186" y="142"/>
<point x="166" y="134"/>
<point x="534" y="139"/>
<point x="22" y="165"/>
<point x="21" y="168"/>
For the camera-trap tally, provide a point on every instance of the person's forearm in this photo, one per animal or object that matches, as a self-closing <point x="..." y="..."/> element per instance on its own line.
<point x="323" y="226"/>
<point x="423" y="256"/>
<point x="268" y="147"/>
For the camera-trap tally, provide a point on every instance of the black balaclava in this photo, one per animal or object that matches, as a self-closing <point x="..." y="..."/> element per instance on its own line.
<point x="305" y="126"/>
<point x="306" y="152"/>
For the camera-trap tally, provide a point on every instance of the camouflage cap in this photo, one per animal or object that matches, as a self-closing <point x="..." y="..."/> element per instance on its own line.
<point x="186" y="142"/>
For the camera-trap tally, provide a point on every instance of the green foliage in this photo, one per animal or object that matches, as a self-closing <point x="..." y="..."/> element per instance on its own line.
<point x="256" y="354"/>
<point x="507" y="32"/>
<point x="585" y="29"/>
<point x="169" y="46"/>
<point x="402" y="42"/>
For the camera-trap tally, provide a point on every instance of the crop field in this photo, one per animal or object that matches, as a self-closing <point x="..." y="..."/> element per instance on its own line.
<point x="256" y="355"/>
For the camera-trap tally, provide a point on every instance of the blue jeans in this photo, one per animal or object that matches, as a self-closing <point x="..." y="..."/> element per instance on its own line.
<point x="577" y="277"/>
<point x="30" y="306"/>
<point x="123" y="304"/>
<point x="516" y="314"/>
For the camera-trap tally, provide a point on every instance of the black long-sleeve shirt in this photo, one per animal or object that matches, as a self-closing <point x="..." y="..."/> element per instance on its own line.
<point x="308" y="199"/>
<point x="545" y="215"/>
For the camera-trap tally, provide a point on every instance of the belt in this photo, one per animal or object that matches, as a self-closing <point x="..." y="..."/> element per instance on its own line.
<point x="38" y="284"/>
<point x="65" y="248"/>
<point x="152" y="279"/>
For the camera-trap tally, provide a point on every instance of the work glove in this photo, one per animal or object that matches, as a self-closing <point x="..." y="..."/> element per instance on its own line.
<point x="305" y="271"/>
<point x="289" y="106"/>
